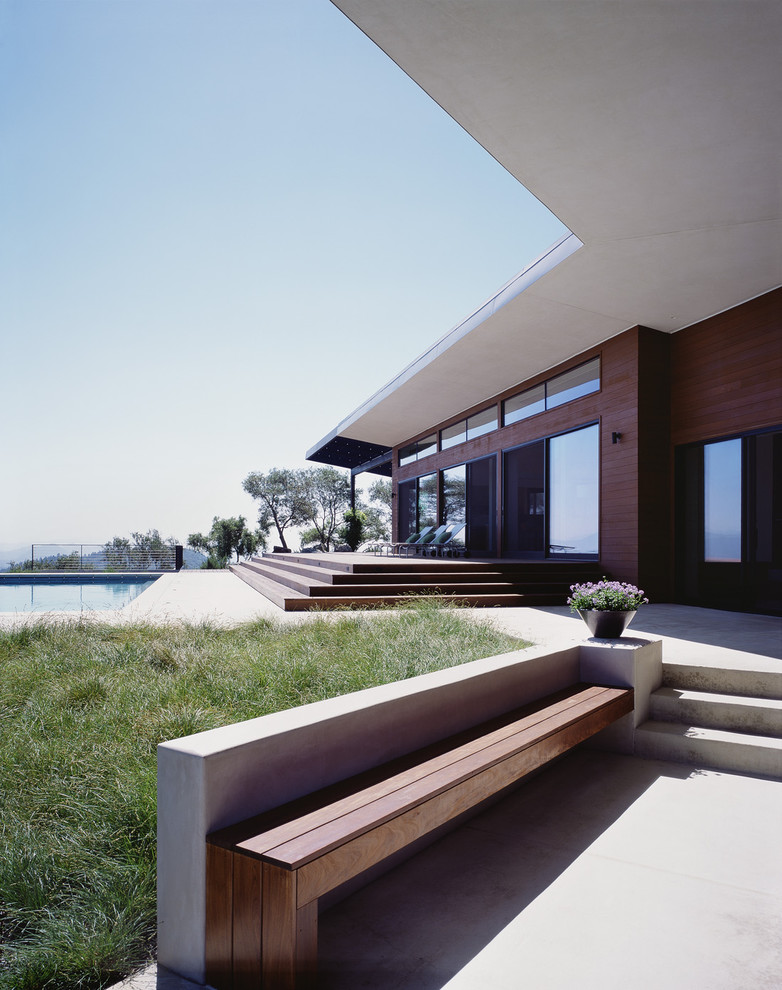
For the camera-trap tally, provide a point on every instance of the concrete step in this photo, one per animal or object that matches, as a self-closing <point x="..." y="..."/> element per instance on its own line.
<point x="754" y="716"/>
<point x="760" y="680"/>
<point x="717" y="749"/>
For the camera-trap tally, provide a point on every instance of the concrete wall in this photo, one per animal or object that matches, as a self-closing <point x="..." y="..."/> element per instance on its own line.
<point x="222" y="776"/>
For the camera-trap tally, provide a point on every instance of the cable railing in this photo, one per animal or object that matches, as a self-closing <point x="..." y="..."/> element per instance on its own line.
<point x="78" y="557"/>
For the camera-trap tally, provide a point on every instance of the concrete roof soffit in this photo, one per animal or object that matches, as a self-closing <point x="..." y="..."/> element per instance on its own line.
<point x="651" y="129"/>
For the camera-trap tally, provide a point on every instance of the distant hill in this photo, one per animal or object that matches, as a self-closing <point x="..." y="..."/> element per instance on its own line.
<point x="193" y="559"/>
<point x="13" y="555"/>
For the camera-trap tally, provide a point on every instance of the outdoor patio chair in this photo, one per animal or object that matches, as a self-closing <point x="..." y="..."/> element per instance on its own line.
<point x="443" y="545"/>
<point x="391" y="548"/>
<point x="420" y="546"/>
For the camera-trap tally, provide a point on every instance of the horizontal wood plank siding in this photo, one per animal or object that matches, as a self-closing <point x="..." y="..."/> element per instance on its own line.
<point x="619" y="461"/>
<point x="655" y="467"/>
<point x="614" y="407"/>
<point x="726" y="372"/>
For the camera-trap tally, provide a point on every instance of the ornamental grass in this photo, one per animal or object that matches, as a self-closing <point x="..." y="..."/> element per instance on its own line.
<point x="83" y="706"/>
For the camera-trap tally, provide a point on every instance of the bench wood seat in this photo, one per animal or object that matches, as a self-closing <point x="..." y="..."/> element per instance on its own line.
<point x="266" y="874"/>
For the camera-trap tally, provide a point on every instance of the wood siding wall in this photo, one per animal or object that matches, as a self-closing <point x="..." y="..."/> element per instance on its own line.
<point x="718" y="378"/>
<point x="614" y="408"/>
<point x="655" y="467"/>
<point x="726" y="373"/>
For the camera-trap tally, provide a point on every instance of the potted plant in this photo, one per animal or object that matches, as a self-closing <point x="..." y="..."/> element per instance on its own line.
<point x="606" y="606"/>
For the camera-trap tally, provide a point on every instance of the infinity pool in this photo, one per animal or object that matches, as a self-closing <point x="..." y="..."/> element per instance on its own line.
<point x="70" y="592"/>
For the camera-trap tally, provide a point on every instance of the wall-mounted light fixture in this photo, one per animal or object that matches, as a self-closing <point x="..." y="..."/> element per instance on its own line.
<point x="616" y="437"/>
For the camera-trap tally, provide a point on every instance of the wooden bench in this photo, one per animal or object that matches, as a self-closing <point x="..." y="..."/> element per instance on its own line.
<point x="264" y="876"/>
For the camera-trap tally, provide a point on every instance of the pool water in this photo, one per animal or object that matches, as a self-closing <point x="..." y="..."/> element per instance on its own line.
<point x="70" y="593"/>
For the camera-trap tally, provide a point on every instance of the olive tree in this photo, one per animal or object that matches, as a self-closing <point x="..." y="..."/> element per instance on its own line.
<point x="327" y="494"/>
<point x="283" y="499"/>
<point x="225" y="538"/>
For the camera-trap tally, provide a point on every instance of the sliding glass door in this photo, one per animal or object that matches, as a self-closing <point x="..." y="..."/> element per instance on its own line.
<point x="574" y="492"/>
<point x="417" y="505"/>
<point x="524" y="505"/>
<point x="729" y="523"/>
<point x="470" y="499"/>
<point x="551" y="496"/>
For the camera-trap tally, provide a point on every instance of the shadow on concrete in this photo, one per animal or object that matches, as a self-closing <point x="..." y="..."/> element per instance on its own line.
<point x="744" y="632"/>
<point x="741" y="631"/>
<point x="418" y="926"/>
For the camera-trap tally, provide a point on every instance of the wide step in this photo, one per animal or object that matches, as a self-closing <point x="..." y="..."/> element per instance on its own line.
<point x="327" y="581"/>
<point x="753" y="716"/>
<point x="717" y="749"/>
<point x="763" y="681"/>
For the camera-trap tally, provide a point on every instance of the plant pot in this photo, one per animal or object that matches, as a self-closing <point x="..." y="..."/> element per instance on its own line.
<point x="606" y="625"/>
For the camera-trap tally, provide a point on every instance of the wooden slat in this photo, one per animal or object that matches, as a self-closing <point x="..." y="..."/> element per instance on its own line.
<point x="290" y="936"/>
<point x="369" y="848"/>
<point x="441" y="774"/>
<point x="247" y="924"/>
<point x="307" y="945"/>
<point x="219" y="918"/>
<point x="261" y="844"/>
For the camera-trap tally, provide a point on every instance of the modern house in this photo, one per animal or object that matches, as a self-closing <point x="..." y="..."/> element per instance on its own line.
<point x="621" y="399"/>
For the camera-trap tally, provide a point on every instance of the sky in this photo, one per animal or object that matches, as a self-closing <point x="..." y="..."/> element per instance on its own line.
<point x="223" y="225"/>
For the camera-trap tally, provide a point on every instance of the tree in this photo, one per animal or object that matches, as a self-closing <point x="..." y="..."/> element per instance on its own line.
<point x="327" y="495"/>
<point x="377" y="511"/>
<point x="150" y="548"/>
<point x="226" y="537"/>
<point x="282" y="497"/>
<point x="352" y="529"/>
<point x="139" y="553"/>
<point x="117" y="554"/>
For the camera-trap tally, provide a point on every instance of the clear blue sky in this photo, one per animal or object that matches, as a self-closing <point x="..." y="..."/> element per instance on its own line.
<point x="223" y="224"/>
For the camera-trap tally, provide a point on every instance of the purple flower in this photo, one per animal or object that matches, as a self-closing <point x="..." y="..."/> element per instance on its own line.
<point x="606" y="596"/>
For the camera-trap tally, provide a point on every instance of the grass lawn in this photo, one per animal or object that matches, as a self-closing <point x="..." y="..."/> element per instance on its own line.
<point x="82" y="709"/>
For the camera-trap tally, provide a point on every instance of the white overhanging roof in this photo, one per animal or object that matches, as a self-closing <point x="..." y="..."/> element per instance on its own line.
<point x="651" y="129"/>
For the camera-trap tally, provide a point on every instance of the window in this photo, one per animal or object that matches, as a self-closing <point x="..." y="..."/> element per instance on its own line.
<point x="482" y="422"/>
<point x="452" y="435"/>
<point x="417" y="505"/>
<point x="529" y="403"/>
<point x="469" y="499"/>
<point x="574" y="492"/>
<point x="474" y="426"/>
<point x="555" y="392"/>
<point x="524" y="473"/>
<point x="573" y="384"/>
<point x="455" y="495"/>
<point x="420" y="448"/>
<point x="407" y="508"/>
<point x="427" y="501"/>
<point x="722" y="501"/>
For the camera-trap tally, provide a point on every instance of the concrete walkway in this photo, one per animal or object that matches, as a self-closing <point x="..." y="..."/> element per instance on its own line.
<point x="604" y="871"/>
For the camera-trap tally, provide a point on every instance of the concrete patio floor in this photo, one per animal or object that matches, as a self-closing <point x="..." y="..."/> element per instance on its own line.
<point x="603" y="871"/>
